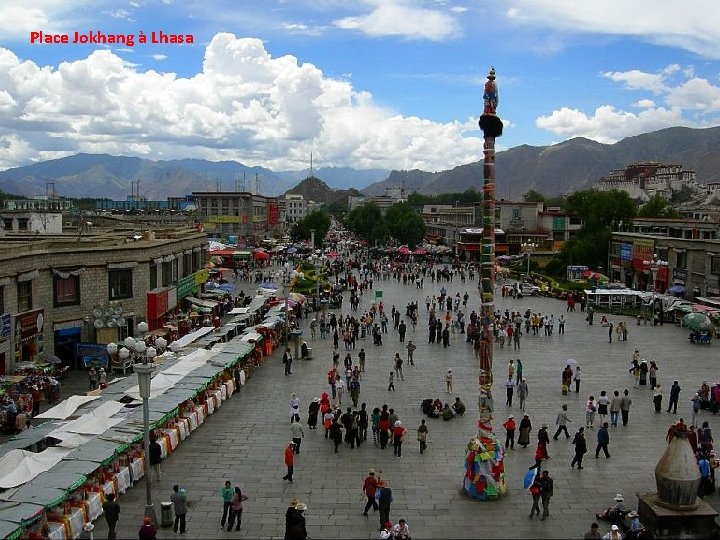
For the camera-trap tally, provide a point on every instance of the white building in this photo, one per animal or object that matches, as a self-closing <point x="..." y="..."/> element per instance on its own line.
<point x="296" y="207"/>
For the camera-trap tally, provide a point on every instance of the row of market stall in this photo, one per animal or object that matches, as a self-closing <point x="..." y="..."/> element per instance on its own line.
<point x="55" y="477"/>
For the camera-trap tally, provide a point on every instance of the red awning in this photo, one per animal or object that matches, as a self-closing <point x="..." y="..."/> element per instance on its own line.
<point x="222" y="252"/>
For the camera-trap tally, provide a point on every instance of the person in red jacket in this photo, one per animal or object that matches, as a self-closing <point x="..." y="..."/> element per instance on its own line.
<point x="398" y="436"/>
<point x="289" y="461"/>
<point x="369" y="488"/>
<point x="148" y="530"/>
<point x="509" y="426"/>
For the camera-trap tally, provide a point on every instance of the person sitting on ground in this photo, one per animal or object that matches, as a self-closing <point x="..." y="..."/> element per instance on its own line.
<point x="436" y="409"/>
<point x="304" y="350"/>
<point x="604" y="321"/>
<point x="447" y="413"/>
<point x="458" y="407"/>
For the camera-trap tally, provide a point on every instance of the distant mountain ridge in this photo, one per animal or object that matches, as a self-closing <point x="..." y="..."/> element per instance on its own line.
<point x="314" y="189"/>
<point x="569" y="166"/>
<point x="551" y="170"/>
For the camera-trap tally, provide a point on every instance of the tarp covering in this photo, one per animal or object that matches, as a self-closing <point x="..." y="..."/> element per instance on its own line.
<point x="202" y="303"/>
<point x="67" y="407"/>
<point x="93" y="423"/>
<point x="192" y="336"/>
<point x="170" y="376"/>
<point x="20" y="466"/>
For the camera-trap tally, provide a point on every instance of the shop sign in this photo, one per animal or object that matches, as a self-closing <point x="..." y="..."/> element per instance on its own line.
<point x="643" y="250"/>
<point x="223" y="219"/>
<point x="29" y="324"/>
<point x="201" y="276"/>
<point x="626" y="251"/>
<point x="185" y="287"/>
<point x="273" y="214"/>
<point x="157" y="303"/>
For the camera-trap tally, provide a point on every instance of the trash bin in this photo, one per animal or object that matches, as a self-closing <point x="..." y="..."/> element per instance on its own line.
<point x="166" y="514"/>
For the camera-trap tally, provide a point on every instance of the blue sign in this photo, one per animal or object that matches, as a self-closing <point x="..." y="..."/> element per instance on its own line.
<point x="626" y="252"/>
<point x="5" y="327"/>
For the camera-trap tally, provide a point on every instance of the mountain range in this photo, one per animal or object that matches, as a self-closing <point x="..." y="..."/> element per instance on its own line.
<point x="551" y="170"/>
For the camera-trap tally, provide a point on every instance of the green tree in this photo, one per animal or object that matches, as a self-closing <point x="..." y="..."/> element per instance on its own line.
<point x="533" y="196"/>
<point x="657" y="207"/>
<point x="318" y="220"/>
<point x="405" y="224"/>
<point x="368" y="222"/>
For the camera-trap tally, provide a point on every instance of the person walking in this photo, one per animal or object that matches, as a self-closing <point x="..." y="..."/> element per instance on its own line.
<point x="236" y="509"/>
<point x="449" y="381"/>
<point x="398" y="367"/>
<point x="297" y="433"/>
<point x="674" y="396"/>
<point x="657" y="397"/>
<point x="289" y="459"/>
<point x="590" y="409"/>
<point x="518" y="371"/>
<point x="610" y="331"/>
<point x="561" y="421"/>
<point x="384" y="498"/>
<point x="398" y="434"/>
<point x="227" y="493"/>
<point x="522" y="393"/>
<point x="335" y="434"/>
<point x="179" y="500"/>
<point x="370" y="485"/>
<point x="422" y="432"/>
<point x="546" y="493"/>
<point x="111" y="510"/>
<point x="402" y="328"/>
<point x="361" y="358"/>
<point x="615" y="408"/>
<point x="155" y="457"/>
<point x="593" y="533"/>
<point x="577" y="377"/>
<point x="391" y="382"/>
<point x="525" y="430"/>
<point x="287" y="359"/>
<point x="625" y="403"/>
<point x="411" y="349"/>
<point x="603" y="439"/>
<point x="580" y="448"/>
<point x="510" y="426"/>
<point x="535" y="492"/>
<point x="652" y="373"/>
<point x="147" y="531"/>
<point x="509" y="390"/>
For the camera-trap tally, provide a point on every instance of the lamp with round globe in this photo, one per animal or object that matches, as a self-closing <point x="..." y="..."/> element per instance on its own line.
<point x="112" y="349"/>
<point x="175" y="346"/>
<point x="124" y="353"/>
<point x="161" y="344"/>
<point x="150" y="354"/>
<point x="143" y="327"/>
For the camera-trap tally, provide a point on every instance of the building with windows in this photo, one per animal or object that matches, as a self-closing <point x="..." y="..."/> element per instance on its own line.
<point x="32" y="221"/>
<point x="57" y="290"/>
<point x="644" y="180"/>
<point x="238" y="213"/>
<point x="296" y="207"/>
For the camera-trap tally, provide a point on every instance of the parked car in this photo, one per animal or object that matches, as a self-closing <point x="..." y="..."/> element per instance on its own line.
<point x="528" y="289"/>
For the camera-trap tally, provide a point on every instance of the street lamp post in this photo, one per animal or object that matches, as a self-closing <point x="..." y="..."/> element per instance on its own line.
<point x="654" y="265"/>
<point x="144" y="372"/>
<point x="286" y="286"/>
<point x="528" y="247"/>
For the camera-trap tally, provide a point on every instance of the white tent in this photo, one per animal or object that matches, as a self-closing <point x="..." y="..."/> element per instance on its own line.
<point x="67" y="407"/>
<point x="18" y="467"/>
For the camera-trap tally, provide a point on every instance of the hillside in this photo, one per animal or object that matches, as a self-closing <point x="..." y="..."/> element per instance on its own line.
<point x="570" y="165"/>
<point x="314" y="189"/>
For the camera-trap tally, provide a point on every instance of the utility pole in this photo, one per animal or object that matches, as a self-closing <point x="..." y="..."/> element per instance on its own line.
<point x="484" y="477"/>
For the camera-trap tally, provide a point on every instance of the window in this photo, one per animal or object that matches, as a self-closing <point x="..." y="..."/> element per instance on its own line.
<point x="2" y="299"/>
<point x="166" y="274"/>
<point x="127" y="329"/>
<point x="120" y="284"/>
<point x="153" y="275"/>
<point x="8" y="224"/>
<point x="66" y="291"/>
<point x="22" y="224"/>
<point x="681" y="261"/>
<point x="24" y="296"/>
<point x="187" y="264"/>
<point x="714" y="266"/>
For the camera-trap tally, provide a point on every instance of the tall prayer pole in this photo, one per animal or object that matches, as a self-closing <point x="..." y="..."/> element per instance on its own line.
<point x="484" y="468"/>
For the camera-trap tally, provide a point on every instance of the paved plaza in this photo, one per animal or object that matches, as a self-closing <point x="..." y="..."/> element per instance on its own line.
<point x="244" y="440"/>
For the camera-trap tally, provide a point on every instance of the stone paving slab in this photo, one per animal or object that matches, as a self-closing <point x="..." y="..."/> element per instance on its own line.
<point x="244" y="440"/>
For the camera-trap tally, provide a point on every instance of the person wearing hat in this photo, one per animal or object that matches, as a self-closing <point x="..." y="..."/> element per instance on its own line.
<point x="86" y="533"/>
<point x="369" y="488"/>
<point x="295" y="520"/>
<point x="102" y="377"/>
<point x="289" y="458"/>
<point x="147" y="531"/>
<point x="313" y="411"/>
<point x="593" y="533"/>
<point x="634" y="518"/>
<point x="614" y="534"/>
<point x="510" y="426"/>
<point x="384" y="498"/>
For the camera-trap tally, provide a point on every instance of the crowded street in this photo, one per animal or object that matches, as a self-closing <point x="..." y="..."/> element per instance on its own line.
<point x="244" y="441"/>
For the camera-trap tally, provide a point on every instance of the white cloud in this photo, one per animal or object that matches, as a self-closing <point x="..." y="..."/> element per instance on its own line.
<point x="693" y="25"/>
<point x="458" y="9"/>
<point x="608" y="125"/>
<point x="18" y="17"/>
<point x="159" y="57"/>
<point x="120" y="14"/>
<point x="402" y="18"/>
<point x="645" y="104"/>
<point x="244" y="104"/>
<point x="638" y="80"/>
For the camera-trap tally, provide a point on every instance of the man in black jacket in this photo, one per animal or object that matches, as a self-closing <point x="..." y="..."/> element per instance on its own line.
<point x="111" y="509"/>
<point x="674" y="396"/>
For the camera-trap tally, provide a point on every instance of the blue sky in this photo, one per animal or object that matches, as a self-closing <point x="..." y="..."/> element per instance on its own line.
<point x="391" y="84"/>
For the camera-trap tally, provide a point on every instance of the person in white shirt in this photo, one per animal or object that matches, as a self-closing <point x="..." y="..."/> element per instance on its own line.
<point x="401" y="531"/>
<point x="339" y="388"/>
